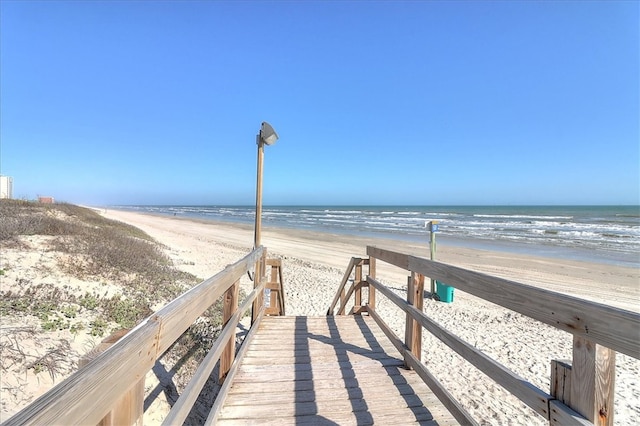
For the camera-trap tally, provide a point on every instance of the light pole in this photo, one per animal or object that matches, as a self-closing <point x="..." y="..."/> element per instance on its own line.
<point x="266" y="136"/>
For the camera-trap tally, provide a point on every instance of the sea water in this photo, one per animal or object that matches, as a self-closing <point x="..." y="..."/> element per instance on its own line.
<point x="607" y="234"/>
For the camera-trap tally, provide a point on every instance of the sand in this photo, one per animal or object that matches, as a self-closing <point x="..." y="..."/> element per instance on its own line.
<point x="314" y="263"/>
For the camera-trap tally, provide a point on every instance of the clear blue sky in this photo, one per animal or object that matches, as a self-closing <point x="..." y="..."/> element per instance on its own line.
<point x="159" y="102"/>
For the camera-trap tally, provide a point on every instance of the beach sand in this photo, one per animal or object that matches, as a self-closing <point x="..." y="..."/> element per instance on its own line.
<point x="314" y="264"/>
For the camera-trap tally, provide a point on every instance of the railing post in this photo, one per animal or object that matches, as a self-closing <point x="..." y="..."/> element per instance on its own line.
<point x="357" y="282"/>
<point x="230" y="306"/>
<point x="129" y="410"/>
<point x="257" y="279"/>
<point x="592" y="381"/>
<point x="413" y="330"/>
<point x="372" y="290"/>
<point x="273" y="281"/>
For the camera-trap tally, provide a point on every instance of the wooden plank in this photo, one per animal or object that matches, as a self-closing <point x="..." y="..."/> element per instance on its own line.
<point x="345" y="298"/>
<point x="372" y="290"/>
<point x="561" y="415"/>
<point x="605" y="325"/>
<point x="560" y="386"/>
<point x="184" y="404"/>
<point x="358" y="286"/>
<point x="611" y="327"/>
<point x="415" y="363"/>
<point x="592" y="381"/>
<point x="316" y="359"/>
<point x="443" y="395"/>
<point x="525" y="391"/>
<point x="129" y="409"/>
<point x="401" y="384"/>
<point x="179" y="314"/>
<point x="326" y="396"/>
<point x="342" y="367"/>
<point x="400" y="260"/>
<point x="224" y="390"/>
<point x="230" y="305"/>
<point x="258" y="278"/>
<point x="396" y="417"/>
<point x="335" y="405"/>
<point x="413" y="330"/>
<point x="344" y="281"/>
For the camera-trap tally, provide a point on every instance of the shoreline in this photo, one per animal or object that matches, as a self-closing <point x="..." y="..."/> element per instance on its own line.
<point x="550" y="251"/>
<point x="579" y="278"/>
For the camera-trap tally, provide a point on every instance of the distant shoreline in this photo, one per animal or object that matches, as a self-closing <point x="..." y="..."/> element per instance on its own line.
<point x="512" y="247"/>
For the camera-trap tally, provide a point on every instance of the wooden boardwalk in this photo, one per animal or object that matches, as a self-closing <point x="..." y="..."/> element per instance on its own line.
<point x="324" y="371"/>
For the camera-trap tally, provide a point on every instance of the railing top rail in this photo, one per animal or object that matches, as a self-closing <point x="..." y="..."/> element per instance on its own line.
<point x="612" y="327"/>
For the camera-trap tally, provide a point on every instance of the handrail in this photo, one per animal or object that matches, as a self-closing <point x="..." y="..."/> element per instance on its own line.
<point x="612" y="327"/>
<point x="598" y="331"/>
<point x="226" y="386"/>
<point x="183" y="405"/>
<point x="88" y="395"/>
<point x="345" y="279"/>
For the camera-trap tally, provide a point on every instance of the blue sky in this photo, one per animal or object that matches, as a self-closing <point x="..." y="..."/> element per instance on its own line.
<point x="423" y="103"/>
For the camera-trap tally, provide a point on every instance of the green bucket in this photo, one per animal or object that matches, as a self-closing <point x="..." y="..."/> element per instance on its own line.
<point x="444" y="293"/>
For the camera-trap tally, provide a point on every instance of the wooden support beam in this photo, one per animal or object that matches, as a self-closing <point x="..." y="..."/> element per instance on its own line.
<point x="372" y="290"/>
<point x="129" y="410"/>
<point x="358" y="283"/>
<point x="592" y="381"/>
<point x="258" y="276"/>
<point x="230" y="306"/>
<point x="413" y="330"/>
<point x="560" y="387"/>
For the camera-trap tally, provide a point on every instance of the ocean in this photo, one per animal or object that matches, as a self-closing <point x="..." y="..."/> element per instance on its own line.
<point x="606" y="234"/>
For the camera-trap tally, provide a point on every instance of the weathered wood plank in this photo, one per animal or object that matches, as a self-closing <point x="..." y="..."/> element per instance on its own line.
<point x="608" y="326"/>
<point x="592" y="381"/>
<point x="328" y="378"/>
<point x="226" y="386"/>
<point x="230" y="305"/>
<point x="328" y="358"/>
<point x="454" y="407"/>
<point x="561" y="415"/>
<point x="183" y="405"/>
<point x="560" y="386"/>
<point x="344" y="281"/>
<point x="345" y="419"/>
<point x="179" y="314"/>
<point x="318" y="407"/>
<point x="397" y="381"/>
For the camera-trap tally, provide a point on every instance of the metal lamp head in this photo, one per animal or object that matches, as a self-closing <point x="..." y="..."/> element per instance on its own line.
<point x="268" y="136"/>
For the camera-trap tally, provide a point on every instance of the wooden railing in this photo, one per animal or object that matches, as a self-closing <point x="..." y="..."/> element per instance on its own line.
<point x="581" y="390"/>
<point x="91" y="395"/>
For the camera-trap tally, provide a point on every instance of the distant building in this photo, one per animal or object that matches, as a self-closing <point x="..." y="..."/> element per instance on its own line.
<point x="45" y="200"/>
<point x="6" y="187"/>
